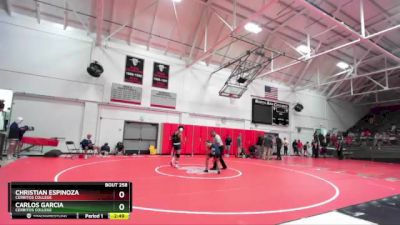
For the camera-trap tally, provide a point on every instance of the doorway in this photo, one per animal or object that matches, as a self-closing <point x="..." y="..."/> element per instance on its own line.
<point x="139" y="136"/>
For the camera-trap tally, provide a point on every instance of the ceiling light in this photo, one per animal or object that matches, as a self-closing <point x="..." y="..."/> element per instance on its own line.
<point x="252" y="27"/>
<point x="342" y="65"/>
<point x="176" y="0"/>
<point x="302" y="49"/>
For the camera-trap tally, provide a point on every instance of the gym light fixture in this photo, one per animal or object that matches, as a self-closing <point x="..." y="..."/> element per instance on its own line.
<point x="177" y="1"/>
<point x="342" y="65"/>
<point x="303" y="49"/>
<point x="252" y="27"/>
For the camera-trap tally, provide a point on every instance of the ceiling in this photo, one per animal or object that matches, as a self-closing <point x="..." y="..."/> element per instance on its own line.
<point x="208" y="31"/>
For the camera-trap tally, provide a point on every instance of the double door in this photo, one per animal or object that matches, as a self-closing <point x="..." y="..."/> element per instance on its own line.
<point x="139" y="136"/>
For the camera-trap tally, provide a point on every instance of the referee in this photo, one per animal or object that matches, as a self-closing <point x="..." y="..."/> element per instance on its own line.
<point x="218" y="141"/>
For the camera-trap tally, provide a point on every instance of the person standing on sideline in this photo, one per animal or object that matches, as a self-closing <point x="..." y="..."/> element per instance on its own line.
<point x="339" y="148"/>
<point x="259" y="147"/>
<point x="285" y="146"/>
<point x="268" y="144"/>
<point x="176" y="143"/>
<point x="239" y="145"/>
<point x="299" y="147"/>
<point x="278" y="148"/>
<point x="228" y="142"/>
<point x="306" y="146"/>
<point x="294" y="145"/>
<point x="218" y="142"/>
<point x="15" y="135"/>
<point x="315" y="149"/>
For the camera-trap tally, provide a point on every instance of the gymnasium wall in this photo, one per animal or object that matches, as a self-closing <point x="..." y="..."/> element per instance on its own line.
<point x="46" y="64"/>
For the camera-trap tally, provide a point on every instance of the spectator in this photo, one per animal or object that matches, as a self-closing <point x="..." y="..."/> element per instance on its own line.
<point x="339" y="149"/>
<point x="268" y="145"/>
<point x="306" y="146"/>
<point x="239" y="145"/>
<point x="321" y="139"/>
<point x="285" y="146"/>
<point x="259" y="146"/>
<point x="349" y="140"/>
<point x="393" y="128"/>
<point x="323" y="148"/>
<point x="278" y="148"/>
<point x="253" y="151"/>
<point x="105" y="149"/>
<point x="228" y="142"/>
<point x="120" y="148"/>
<point x="15" y="135"/>
<point x="299" y="146"/>
<point x="87" y="144"/>
<point x="294" y="145"/>
<point x="328" y="139"/>
<point x="315" y="149"/>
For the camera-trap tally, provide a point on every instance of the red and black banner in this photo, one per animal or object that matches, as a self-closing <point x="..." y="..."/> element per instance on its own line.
<point x="134" y="70"/>
<point x="160" y="75"/>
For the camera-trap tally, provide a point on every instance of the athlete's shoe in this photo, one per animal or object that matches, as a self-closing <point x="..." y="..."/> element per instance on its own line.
<point x="205" y="171"/>
<point x="219" y="172"/>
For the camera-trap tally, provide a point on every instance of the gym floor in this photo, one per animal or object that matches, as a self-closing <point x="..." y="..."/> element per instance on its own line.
<point x="250" y="191"/>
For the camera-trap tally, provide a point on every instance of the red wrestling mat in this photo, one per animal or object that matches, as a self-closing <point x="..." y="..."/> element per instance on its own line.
<point x="248" y="192"/>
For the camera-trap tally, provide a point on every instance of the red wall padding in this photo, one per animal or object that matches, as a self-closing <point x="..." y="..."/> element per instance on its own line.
<point x="194" y="138"/>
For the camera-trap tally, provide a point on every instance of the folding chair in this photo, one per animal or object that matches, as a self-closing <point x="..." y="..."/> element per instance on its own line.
<point x="72" y="149"/>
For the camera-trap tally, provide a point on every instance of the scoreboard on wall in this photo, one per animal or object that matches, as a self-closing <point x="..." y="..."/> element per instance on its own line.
<point x="270" y="112"/>
<point x="70" y="200"/>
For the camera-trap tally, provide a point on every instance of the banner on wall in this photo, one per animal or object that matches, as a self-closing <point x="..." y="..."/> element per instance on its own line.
<point x="126" y="94"/>
<point x="163" y="99"/>
<point x="134" y="70"/>
<point x="160" y="75"/>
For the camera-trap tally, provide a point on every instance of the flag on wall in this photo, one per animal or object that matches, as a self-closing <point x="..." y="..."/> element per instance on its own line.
<point x="271" y="92"/>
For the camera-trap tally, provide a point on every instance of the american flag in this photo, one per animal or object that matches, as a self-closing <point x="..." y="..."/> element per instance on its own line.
<point x="271" y="92"/>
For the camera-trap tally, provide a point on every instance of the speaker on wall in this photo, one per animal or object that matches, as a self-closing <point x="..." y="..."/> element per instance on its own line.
<point x="95" y="69"/>
<point x="298" y="107"/>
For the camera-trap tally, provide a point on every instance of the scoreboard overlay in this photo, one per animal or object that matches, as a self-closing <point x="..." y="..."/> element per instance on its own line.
<point x="70" y="200"/>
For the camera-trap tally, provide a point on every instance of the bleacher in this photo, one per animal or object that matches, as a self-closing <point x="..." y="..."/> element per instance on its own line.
<point x="385" y="154"/>
<point x="384" y="147"/>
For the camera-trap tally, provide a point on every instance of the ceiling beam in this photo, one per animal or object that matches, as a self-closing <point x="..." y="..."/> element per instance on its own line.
<point x="8" y="6"/>
<point x="197" y="31"/>
<point x="236" y="30"/>
<point x="78" y="16"/>
<point x="171" y="33"/>
<point x="377" y="83"/>
<point x="65" y="14"/>
<point x="136" y="11"/>
<point x="37" y="8"/>
<point x="152" y="25"/>
<point x="305" y="69"/>
<point x="216" y="39"/>
<point x="365" y="93"/>
<point x="354" y="33"/>
<point x="99" y="21"/>
<point x="361" y="75"/>
<point x="379" y="102"/>
<point x="132" y="20"/>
